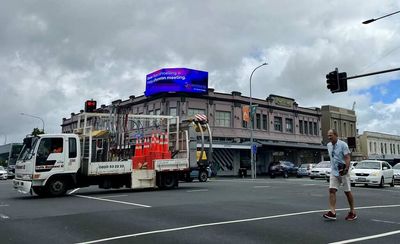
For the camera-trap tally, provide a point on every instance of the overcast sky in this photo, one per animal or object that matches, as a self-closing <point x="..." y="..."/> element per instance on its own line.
<point x="56" y="54"/>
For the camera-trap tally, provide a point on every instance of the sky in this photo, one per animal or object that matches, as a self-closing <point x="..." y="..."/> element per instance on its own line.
<point x="54" y="55"/>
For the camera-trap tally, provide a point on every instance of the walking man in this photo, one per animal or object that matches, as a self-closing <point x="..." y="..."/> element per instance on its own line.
<point x="339" y="154"/>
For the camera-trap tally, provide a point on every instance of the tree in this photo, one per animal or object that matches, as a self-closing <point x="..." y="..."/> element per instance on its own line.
<point x="37" y="131"/>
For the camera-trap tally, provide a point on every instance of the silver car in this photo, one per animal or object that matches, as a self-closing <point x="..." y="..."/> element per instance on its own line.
<point x="3" y="173"/>
<point x="321" y="170"/>
<point x="396" y="172"/>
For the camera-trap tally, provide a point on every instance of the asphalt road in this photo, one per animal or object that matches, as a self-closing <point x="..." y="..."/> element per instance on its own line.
<point x="223" y="210"/>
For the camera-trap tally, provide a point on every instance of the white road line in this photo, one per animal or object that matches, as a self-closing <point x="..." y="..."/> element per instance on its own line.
<point x="4" y="216"/>
<point x="261" y="186"/>
<point x="73" y="191"/>
<point x="367" y="237"/>
<point x="197" y="190"/>
<point x="227" y="222"/>
<point x="309" y="184"/>
<point x="113" y="196"/>
<point x="4" y="205"/>
<point x="385" y="221"/>
<point x="114" y="201"/>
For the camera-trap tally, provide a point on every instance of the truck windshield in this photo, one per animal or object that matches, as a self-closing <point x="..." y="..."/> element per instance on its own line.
<point x="27" y="152"/>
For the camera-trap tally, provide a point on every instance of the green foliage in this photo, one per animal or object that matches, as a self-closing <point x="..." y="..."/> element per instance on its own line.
<point x="37" y="131"/>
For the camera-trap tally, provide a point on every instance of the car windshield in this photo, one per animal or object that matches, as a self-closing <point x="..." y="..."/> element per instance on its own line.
<point x="323" y="165"/>
<point x="397" y="166"/>
<point x="1" y="168"/>
<point x="368" y="165"/>
<point x="304" y="166"/>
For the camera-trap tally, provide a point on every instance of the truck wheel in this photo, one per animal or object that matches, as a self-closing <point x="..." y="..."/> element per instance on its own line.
<point x="40" y="191"/>
<point x="57" y="187"/>
<point x="168" y="181"/>
<point x="203" y="176"/>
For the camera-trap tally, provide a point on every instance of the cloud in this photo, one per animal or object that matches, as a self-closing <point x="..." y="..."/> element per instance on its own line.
<point x="56" y="54"/>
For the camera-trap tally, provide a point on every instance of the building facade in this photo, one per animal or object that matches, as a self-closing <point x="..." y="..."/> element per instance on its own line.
<point x="375" y="145"/>
<point x="282" y="129"/>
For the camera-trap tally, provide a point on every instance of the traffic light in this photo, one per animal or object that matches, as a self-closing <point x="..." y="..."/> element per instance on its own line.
<point x="90" y="106"/>
<point x="336" y="82"/>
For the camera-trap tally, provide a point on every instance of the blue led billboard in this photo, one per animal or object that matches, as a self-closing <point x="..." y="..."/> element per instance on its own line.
<point x="176" y="80"/>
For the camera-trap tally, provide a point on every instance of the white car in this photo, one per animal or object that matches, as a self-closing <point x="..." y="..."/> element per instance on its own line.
<point x="372" y="172"/>
<point x="321" y="170"/>
<point x="396" y="172"/>
<point x="3" y="173"/>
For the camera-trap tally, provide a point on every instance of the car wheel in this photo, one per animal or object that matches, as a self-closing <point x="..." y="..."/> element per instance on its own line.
<point x="353" y="184"/>
<point x="392" y="183"/>
<point x="382" y="184"/>
<point x="203" y="176"/>
<point x="311" y="177"/>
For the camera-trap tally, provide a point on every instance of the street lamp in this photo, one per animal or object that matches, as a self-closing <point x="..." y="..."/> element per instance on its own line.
<point x="34" y="116"/>
<point x="252" y="163"/>
<point x="372" y="20"/>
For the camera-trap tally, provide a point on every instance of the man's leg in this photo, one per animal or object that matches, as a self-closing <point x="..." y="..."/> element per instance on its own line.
<point x="332" y="200"/>
<point x="350" y="199"/>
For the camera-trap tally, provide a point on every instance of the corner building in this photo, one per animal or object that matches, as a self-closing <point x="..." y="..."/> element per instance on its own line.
<point x="282" y="129"/>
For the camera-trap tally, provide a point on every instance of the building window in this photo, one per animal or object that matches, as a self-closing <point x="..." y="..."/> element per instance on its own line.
<point x="301" y="127"/>
<point x="305" y="127"/>
<point x="258" y="121"/>
<point x="381" y="148"/>
<point x="278" y="123"/>
<point x="244" y="124"/>
<point x="310" y="127"/>
<point x="344" y="132"/>
<point x="264" y="122"/>
<point x="398" y="149"/>
<point x="289" y="125"/>
<point x="335" y="125"/>
<point x="370" y="146"/>
<point x="172" y="112"/>
<point x="223" y="119"/>
<point x="385" y="148"/>
<point x="375" y="151"/>
<point x="194" y="111"/>
<point x="315" y="129"/>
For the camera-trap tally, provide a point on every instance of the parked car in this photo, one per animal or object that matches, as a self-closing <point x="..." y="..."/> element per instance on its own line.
<point x="321" y="170"/>
<point x="3" y="173"/>
<point x="372" y="172"/>
<point x="202" y="176"/>
<point x="396" y="173"/>
<point x="282" y="168"/>
<point x="305" y="170"/>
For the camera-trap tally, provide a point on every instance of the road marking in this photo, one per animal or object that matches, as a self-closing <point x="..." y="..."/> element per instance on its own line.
<point x="367" y="237"/>
<point x="227" y="222"/>
<point x="261" y="186"/>
<point x="114" y="201"/>
<point x="197" y="190"/>
<point x="4" y="205"/>
<point x="309" y="184"/>
<point x="113" y="196"/>
<point x="73" y="191"/>
<point x="385" y="221"/>
<point x="4" y="216"/>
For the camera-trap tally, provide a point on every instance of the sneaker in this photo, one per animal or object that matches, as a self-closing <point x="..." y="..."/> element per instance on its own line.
<point x="351" y="216"/>
<point x="330" y="215"/>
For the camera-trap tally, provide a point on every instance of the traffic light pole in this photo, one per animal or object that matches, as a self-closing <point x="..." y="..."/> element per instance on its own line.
<point x="374" y="73"/>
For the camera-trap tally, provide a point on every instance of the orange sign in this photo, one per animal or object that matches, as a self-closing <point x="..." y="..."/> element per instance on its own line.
<point x="246" y="113"/>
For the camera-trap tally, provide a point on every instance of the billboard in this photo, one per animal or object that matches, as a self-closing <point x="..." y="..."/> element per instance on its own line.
<point x="176" y="80"/>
